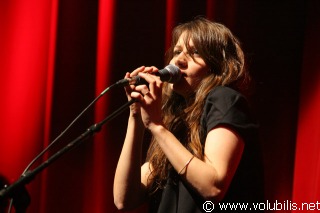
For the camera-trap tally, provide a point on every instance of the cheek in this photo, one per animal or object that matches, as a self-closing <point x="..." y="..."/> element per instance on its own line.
<point x="199" y="73"/>
<point x="172" y="62"/>
<point x="194" y="82"/>
<point x="197" y="76"/>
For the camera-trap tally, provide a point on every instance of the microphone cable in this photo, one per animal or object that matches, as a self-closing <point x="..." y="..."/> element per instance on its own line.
<point x="170" y="73"/>
<point x="60" y="135"/>
<point x="66" y="129"/>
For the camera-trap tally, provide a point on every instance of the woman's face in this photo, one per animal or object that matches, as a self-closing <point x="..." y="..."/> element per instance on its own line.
<point x="193" y="69"/>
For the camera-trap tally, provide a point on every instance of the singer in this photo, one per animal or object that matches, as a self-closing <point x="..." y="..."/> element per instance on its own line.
<point x="204" y="138"/>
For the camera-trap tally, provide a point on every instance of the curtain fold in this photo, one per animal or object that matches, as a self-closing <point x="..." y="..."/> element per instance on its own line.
<point x="98" y="196"/>
<point x="306" y="186"/>
<point x="26" y="59"/>
<point x="48" y="97"/>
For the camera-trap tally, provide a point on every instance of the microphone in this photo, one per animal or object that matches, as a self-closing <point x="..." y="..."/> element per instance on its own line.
<point x="170" y="73"/>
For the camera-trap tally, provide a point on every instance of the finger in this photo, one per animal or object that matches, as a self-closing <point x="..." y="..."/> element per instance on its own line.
<point x="150" y="78"/>
<point x="144" y="69"/>
<point x="138" y="96"/>
<point x="128" y="89"/>
<point x="154" y="81"/>
<point x="155" y="87"/>
<point x="153" y="69"/>
<point x="146" y="93"/>
<point x="136" y="71"/>
<point x="143" y="89"/>
<point x="127" y="75"/>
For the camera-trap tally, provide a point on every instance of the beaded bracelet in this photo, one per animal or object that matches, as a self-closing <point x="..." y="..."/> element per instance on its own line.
<point x="185" y="166"/>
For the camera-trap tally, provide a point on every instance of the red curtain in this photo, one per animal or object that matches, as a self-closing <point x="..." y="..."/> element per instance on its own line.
<point x="27" y="40"/>
<point x="306" y="188"/>
<point x="57" y="56"/>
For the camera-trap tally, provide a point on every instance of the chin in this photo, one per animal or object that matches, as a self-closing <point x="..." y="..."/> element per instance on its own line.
<point x="180" y="89"/>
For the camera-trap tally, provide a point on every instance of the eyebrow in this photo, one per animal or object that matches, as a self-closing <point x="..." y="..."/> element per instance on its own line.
<point x="180" y="46"/>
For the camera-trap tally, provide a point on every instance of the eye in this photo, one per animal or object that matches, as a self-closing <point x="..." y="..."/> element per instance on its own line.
<point x="176" y="52"/>
<point x="195" y="52"/>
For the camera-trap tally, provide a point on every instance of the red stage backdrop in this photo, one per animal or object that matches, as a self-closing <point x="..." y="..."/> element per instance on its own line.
<point x="57" y="56"/>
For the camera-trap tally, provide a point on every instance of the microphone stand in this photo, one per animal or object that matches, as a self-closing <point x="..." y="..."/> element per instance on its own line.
<point x="14" y="190"/>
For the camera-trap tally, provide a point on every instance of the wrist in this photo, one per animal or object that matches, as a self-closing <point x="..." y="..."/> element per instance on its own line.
<point x="156" y="128"/>
<point x="136" y="120"/>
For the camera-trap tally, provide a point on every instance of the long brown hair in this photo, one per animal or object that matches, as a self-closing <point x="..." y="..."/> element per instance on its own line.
<point x="221" y="51"/>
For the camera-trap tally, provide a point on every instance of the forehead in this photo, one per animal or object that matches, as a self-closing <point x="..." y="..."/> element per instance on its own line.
<point x="185" y="39"/>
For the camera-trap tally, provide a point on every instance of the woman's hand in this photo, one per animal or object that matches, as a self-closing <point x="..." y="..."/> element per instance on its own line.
<point x="149" y="98"/>
<point x="131" y="180"/>
<point x="135" y="107"/>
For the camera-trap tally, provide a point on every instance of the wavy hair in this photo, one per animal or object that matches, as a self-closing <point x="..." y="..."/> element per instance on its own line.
<point x="222" y="52"/>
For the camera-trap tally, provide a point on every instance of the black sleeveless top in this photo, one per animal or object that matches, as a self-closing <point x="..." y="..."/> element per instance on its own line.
<point x="223" y="106"/>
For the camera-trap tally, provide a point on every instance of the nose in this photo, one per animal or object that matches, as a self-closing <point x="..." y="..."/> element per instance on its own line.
<point x="181" y="60"/>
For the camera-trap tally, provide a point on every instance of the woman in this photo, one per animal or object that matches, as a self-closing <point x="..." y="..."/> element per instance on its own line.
<point x="203" y="135"/>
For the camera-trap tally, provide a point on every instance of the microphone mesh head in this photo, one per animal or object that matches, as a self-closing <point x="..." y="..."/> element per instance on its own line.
<point x="172" y="73"/>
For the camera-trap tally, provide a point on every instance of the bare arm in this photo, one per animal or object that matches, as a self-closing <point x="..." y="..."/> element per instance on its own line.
<point x="223" y="148"/>
<point x="130" y="181"/>
<point x="128" y="189"/>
